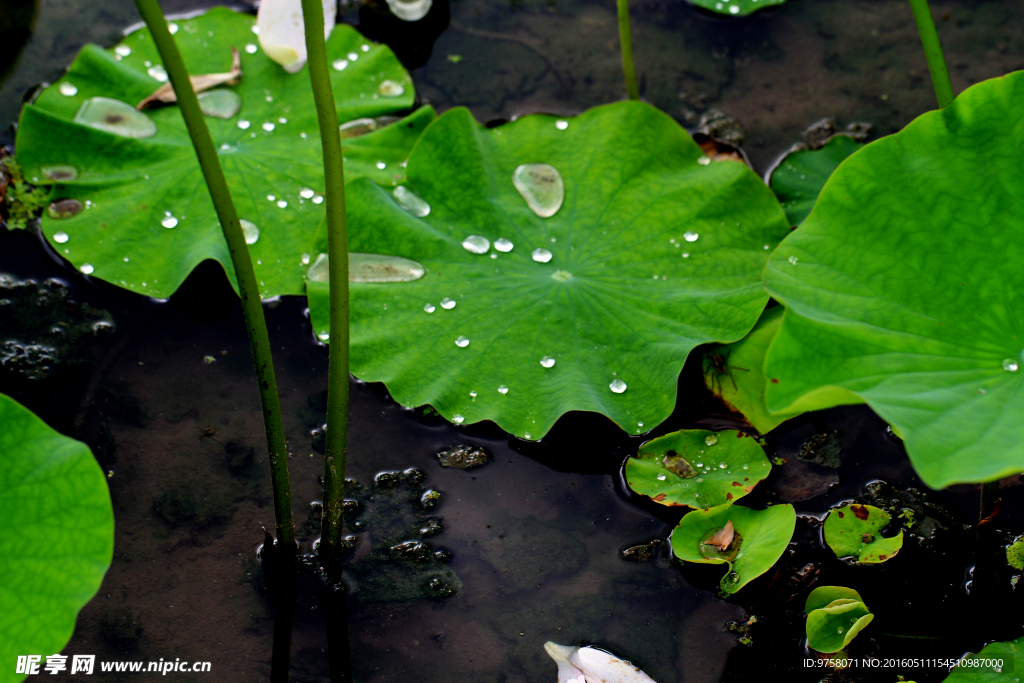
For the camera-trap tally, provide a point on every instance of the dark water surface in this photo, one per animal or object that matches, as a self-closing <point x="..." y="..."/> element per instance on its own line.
<point x="536" y="535"/>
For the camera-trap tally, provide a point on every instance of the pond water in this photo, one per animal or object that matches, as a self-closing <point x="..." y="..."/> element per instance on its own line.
<point x="168" y="402"/>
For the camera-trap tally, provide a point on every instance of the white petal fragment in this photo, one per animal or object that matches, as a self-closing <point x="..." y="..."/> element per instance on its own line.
<point x="567" y="672"/>
<point x="598" y="665"/>
<point x="282" y="34"/>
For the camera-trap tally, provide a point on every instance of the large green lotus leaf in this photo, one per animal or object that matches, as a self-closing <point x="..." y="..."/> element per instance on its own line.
<point x="854" y="531"/>
<point x="58" y="537"/>
<point x="649" y="255"/>
<point x="735" y="373"/>
<point x="903" y="287"/>
<point x="697" y="468"/>
<point x="801" y="175"/>
<point x="762" y="538"/>
<point x="834" y="626"/>
<point x="736" y="8"/>
<point x="270" y="151"/>
<point x="996" y="663"/>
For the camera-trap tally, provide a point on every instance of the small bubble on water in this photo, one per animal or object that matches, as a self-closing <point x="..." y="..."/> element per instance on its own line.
<point x="475" y="244"/>
<point x="690" y="236"/>
<point x="448" y="304"/>
<point x="541" y="255"/>
<point x="547" y="362"/>
<point x="711" y="439"/>
<point x="429" y="308"/>
<point x="1010" y="365"/>
<point x="461" y="342"/>
<point x="617" y="386"/>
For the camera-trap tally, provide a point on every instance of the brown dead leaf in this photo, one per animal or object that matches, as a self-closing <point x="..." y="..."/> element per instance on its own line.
<point x="723" y="537"/>
<point x="165" y="93"/>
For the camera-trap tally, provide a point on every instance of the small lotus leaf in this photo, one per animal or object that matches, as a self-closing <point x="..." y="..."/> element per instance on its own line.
<point x="148" y="219"/>
<point x="1000" y="664"/>
<point x="697" y="468"/>
<point x="799" y="177"/>
<point x="735" y="373"/>
<point x="855" y="531"/>
<point x="521" y="318"/>
<point x="736" y="8"/>
<point x="901" y="289"/>
<point x="58" y="537"/>
<point x="822" y="596"/>
<point x="762" y="538"/>
<point x="1015" y="554"/>
<point x="834" y="626"/>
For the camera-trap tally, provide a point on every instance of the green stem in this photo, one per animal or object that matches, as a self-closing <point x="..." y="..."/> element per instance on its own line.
<point x="626" y="41"/>
<point x="933" y="52"/>
<point x="252" y="306"/>
<point x="337" y="253"/>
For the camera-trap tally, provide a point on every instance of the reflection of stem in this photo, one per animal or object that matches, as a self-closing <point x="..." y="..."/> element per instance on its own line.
<point x="933" y="52"/>
<point x="337" y="636"/>
<point x="252" y="306"/>
<point x="626" y="41"/>
<point x="492" y="35"/>
<point x="283" y="576"/>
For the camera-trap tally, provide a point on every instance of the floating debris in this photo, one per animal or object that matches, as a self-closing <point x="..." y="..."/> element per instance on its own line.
<point x="165" y="93"/>
<point x="464" y="456"/>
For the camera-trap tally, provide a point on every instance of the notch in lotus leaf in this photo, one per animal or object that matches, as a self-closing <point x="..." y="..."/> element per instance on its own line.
<point x="855" y="531"/>
<point x="59" y="535"/>
<point x="697" y="468"/>
<point x="563" y="270"/>
<point x="835" y="615"/>
<point x="129" y="202"/>
<point x="748" y="541"/>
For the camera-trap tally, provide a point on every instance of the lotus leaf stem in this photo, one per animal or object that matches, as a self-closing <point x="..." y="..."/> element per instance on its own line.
<point x="933" y="52"/>
<point x="337" y="252"/>
<point x="626" y="41"/>
<point x="252" y="306"/>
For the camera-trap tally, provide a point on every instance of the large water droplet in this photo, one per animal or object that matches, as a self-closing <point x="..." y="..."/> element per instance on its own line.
<point x="60" y="237"/>
<point x="391" y="88"/>
<point x="662" y="477"/>
<point x="157" y="73"/>
<point x="410" y="10"/>
<point x="502" y="389"/>
<point x="282" y="203"/>
<point x="122" y="50"/>
<point x="690" y="236"/>
<point x="64" y="208"/>
<point x="448" y="304"/>
<point x="116" y="117"/>
<point x="475" y="244"/>
<point x="503" y="245"/>
<point x="711" y="439"/>
<point x="561" y="275"/>
<point x="68" y="89"/>
<point x="412" y="203"/>
<point x="541" y="186"/>
<point x="251" y="232"/>
<point x="461" y="342"/>
<point x="87" y="268"/>
<point x="221" y="103"/>
<point x="306" y="193"/>
<point x="60" y="173"/>
<point x="369" y="268"/>
<point x="458" y="419"/>
<point x="169" y="222"/>
<point x="617" y="385"/>
<point x="541" y="255"/>
<point x="561" y="125"/>
<point x="547" y="362"/>
<point x="172" y="28"/>
<point x="1010" y="365"/>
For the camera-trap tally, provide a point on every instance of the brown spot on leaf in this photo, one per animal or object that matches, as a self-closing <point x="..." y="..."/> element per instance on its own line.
<point x="736" y="483"/>
<point x="840" y="513"/>
<point x="774" y="381"/>
<point x="883" y="557"/>
<point x="728" y="496"/>
<point x="748" y="489"/>
<point x="861" y="511"/>
<point x="660" y="497"/>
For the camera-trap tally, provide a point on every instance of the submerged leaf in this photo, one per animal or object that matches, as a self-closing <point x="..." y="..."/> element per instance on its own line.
<point x="855" y="531"/>
<point x="521" y="318"/>
<point x="902" y="289"/>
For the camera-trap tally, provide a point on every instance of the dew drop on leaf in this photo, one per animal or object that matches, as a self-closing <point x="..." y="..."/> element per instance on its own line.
<point x="411" y="202"/>
<point x="541" y="186"/>
<point x="617" y="386"/>
<point x="115" y="117"/>
<point x="475" y="244"/>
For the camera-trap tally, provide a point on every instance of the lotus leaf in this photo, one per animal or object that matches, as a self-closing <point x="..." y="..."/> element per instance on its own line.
<point x="138" y="211"/>
<point x="761" y="538"/>
<point x="520" y="318"/>
<point x="736" y="8"/>
<point x="59" y="534"/>
<point x="697" y="468"/>
<point x="833" y="625"/>
<point x="735" y="373"/>
<point x="1015" y="554"/>
<point x="970" y="669"/>
<point x="902" y="286"/>
<point x="855" y="531"/>
<point x="823" y="595"/>
<point x="801" y="174"/>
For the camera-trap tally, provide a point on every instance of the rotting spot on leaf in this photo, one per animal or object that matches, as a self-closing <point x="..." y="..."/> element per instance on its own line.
<point x="860" y="511"/>
<point x="660" y="497"/>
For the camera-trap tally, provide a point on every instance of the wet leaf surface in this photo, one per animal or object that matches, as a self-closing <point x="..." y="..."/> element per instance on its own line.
<point x="901" y="289"/>
<point x="855" y="531"/>
<point x="594" y="308"/>
<point x="736" y="8"/>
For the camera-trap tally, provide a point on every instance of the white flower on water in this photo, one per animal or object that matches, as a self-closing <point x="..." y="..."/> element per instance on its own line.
<point x="590" y="665"/>
<point x="282" y="34"/>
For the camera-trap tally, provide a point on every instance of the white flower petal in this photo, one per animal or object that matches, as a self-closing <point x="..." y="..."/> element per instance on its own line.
<point x="282" y="34"/>
<point x="603" y="667"/>
<point x="567" y="673"/>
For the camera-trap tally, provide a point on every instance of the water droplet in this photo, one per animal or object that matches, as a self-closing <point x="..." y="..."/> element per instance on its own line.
<point x="68" y="89"/>
<point x="122" y="50"/>
<point x="352" y="56"/>
<point x="561" y="275"/>
<point x="561" y="125"/>
<point x="458" y="419"/>
<point x="243" y="124"/>
<point x="221" y="104"/>
<point x="662" y="477"/>
<point x="700" y="464"/>
<point x="617" y="386"/>
<point x="429" y="308"/>
<point x="503" y="245"/>
<point x="251" y="48"/>
<point x="1010" y="365"/>
<point x="502" y="389"/>
<point x="391" y="88"/>
<point x="381" y="165"/>
<point x="305" y="259"/>
<point x="411" y="202"/>
<point x="87" y="268"/>
<point x="324" y="336"/>
<point x="60" y="173"/>
<point x="461" y="342"/>
<point x="475" y="244"/>
<point x="541" y="255"/>
<point x="711" y="439"/>
<point x="547" y="362"/>
<point x="318" y="199"/>
<point x="306" y="193"/>
<point x="268" y="126"/>
<point x="734" y="9"/>
<point x="251" y="232"/>
<point x="169" y="222"/>
<point x="840" y="630"/>
<point x="699" y="479"/>
<point x="64" y="208"/>
<point x="722" y="465"/>
<point x="746" y="467"/>
<point x="60" y="237"/>
<point x="793" y="260"/>
<point x="370" y="268"/>
<point x="704" y="160"/>
<point x="448" y="304"/>
<point x="339" y="64"/>
<point x="364" y="48"/>
<point x="733" y="578"/>
<point x="410" y="10"/>
<point x="541" y="186"/>
<point x="172" y="28"/>
<point x="157" y="73"/>
<point x="690" y="236"/>
<point x="116" y="117"/>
